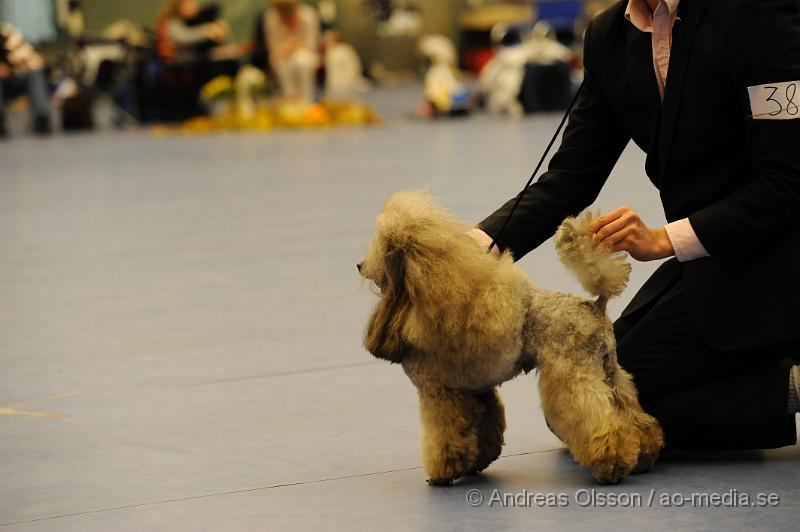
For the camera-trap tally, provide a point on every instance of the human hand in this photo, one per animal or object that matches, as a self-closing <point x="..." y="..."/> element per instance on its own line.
<point x="5" y="71"/>
<point x="623" y="230"/>
<point x="483" y="240"/>
<point x="217" y="31"/>
<point x="287" y="49"/>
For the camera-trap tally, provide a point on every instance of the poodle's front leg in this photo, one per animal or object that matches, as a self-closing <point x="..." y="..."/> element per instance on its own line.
<point x="450" y="421"/>
<point x="581" y="407"/>
<point x="491" y="427"/>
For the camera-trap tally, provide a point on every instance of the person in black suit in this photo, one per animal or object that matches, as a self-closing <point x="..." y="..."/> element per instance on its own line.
<point x="711" y="338"/>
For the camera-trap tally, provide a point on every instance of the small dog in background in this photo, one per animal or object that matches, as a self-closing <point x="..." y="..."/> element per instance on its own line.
<point x="461" y="322"/>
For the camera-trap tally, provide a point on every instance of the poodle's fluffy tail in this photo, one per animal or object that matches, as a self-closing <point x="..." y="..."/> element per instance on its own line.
<point x="600" y="271"/>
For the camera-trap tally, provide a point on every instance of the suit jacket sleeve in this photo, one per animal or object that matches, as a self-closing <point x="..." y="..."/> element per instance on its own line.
<point x="592" y="143"/>
<point x="763" y="47"/>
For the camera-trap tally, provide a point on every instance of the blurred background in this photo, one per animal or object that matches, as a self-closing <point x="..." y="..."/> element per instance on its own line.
<point x="185" y="190"/>
<point x="192" y="65"/>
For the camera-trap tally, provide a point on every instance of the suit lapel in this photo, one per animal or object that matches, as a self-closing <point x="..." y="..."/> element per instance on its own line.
<point x="690" y="13"/>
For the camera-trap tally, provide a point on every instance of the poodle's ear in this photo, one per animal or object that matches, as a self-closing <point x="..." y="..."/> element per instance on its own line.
<point x="384" y="332"/>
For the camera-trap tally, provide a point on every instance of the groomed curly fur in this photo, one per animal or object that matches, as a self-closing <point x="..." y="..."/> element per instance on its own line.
<point x="600" y="273"/>
<point x="461" y="322"/>
<point x="440" y="294"/>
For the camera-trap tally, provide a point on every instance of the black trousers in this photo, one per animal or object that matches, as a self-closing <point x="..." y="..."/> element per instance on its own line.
<point x="705" y="399"/>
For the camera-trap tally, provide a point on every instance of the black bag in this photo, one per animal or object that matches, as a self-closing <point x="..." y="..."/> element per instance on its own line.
<point x="76" y="113"/>
<point x="546" y="88"/>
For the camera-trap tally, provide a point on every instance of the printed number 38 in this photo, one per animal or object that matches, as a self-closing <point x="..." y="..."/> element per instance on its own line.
<point x="791" y="106"/>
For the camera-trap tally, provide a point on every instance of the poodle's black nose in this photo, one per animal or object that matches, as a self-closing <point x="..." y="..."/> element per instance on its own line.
<point x="358" y="266"/>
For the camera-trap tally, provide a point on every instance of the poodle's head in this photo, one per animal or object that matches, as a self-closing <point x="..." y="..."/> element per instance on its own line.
<point x="439" y="290"/>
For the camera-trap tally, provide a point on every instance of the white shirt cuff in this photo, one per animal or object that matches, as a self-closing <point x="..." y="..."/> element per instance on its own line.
<point x="684" y="241"/>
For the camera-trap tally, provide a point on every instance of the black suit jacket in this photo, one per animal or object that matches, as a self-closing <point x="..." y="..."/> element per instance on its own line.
<point x="737" y="179"/>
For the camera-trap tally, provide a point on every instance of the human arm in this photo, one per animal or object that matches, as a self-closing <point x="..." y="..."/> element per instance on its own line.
<point x="184" y="35"/>
<point x="309" y="34"/>
<point x="279" y="40"/>
<point x="763" y="48"/>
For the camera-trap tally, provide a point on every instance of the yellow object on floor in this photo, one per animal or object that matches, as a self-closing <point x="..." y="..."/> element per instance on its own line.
<point x="278" y="115"/>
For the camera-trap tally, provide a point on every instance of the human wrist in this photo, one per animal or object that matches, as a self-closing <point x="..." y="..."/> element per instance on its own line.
<point x="684" y="241"/>
<point x="484" y="240"/>
<point x="664" y="245"/>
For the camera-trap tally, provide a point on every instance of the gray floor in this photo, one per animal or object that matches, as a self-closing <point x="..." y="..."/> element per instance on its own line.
<point x="180" y="323"/>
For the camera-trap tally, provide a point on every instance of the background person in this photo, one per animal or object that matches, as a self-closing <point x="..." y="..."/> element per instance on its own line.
<point x="185" y="31"/>
<point x="293" y="38"/>
<point x="186" y="36"/>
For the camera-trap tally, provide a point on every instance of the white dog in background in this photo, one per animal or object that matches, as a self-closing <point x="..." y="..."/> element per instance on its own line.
<point x="501" y="78"/>
<point x="343" y="71"/>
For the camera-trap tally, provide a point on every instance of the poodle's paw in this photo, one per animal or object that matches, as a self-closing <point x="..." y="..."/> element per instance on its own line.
<point x="645" y="463"/>
<point x="650" y="445"/>
<point x="614" y="455"/>
<point x="489" y="451"/>
<point x="610" y="472"/>
<point x="441" y="482"/>
<point x="490" y="430"/>
<point x="448" y="469"/>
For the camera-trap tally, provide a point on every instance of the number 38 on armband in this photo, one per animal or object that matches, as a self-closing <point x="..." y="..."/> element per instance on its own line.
<point x="775" y="101"/>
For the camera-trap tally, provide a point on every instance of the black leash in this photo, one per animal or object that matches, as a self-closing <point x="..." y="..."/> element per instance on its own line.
<point x="618" y="19"/>
<point x="538" y="167"/>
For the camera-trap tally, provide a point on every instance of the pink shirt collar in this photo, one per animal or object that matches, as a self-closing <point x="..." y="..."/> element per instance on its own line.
<point x="639" y="14"/>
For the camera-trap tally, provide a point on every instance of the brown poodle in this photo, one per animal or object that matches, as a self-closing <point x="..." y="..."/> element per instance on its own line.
<point x="461" y="322"/>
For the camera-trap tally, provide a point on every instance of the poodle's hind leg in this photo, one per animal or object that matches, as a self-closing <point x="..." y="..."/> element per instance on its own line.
<point x="652" y="437"/>
<point x="491" y="427"/>
<point x="580" y="406"/>
<point x="450" y="421"/>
